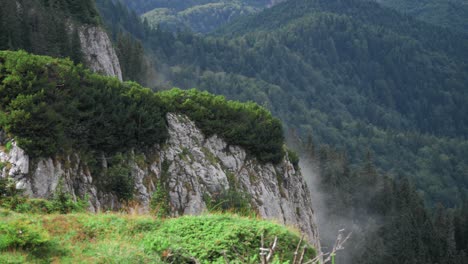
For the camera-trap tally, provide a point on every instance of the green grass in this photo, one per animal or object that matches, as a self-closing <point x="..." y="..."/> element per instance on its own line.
<point x="117" y="238"/>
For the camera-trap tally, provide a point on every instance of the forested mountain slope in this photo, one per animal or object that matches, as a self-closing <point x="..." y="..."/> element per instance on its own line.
<point x="195" y="15"/>
<point x="201" y="18"/>
<point x="60" y="29"/>
<point x="452" y="14"/>
<point x="43" y="26"/>
<point x="351" y="73"/>
<point x="143" y="6"/>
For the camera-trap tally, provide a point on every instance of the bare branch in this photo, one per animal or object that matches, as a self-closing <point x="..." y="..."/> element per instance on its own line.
<point x="301" y="259"/>
<point x="262" y="252"/>
<point x="272" y="250"/>
<point x="338" y="245"/>
<point x="297" y="249"/>
<point x="226" y="260"/>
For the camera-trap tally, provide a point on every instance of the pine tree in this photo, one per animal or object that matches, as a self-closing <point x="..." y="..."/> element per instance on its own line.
<point x="76" y="55"/>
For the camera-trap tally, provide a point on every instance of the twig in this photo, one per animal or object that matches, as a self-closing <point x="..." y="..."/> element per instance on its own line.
<point x="262" y="252"/>
<point x="297" y="249"/>
<point x="317" y="258"/>
<point x="338" y="245"/>
<point x="226" y="260"/>
<point x="272" y="249"/>
<point x="238" y="254"/>
<point x="302" y="255"/>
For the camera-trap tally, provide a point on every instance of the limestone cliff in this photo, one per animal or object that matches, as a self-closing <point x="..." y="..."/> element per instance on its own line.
<point x="192" y="166"/>
<point x="98" y="51"/>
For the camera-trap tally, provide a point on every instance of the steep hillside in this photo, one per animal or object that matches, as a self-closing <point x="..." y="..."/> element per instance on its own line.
<point x="92" y="136"/>
<point x="200" y="18"/>
<point x="60" y="29"/>
<point x="452" y="14"/>
<point x="143" y="6"/>
<point x="351" y="73"/>
<point x="196" y="15"/>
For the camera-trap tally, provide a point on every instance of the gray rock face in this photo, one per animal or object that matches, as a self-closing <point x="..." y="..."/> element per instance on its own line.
<point x="98" y="51"/>
<point x="191" y="166"/>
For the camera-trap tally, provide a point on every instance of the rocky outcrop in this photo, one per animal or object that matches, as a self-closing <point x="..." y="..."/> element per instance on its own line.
<point x="192" y="167"/>
<point x="98" y="51"/>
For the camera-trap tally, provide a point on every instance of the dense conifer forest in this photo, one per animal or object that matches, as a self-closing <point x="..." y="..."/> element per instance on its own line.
<point x="451" y="13"/>
<point x="43" y="27"/>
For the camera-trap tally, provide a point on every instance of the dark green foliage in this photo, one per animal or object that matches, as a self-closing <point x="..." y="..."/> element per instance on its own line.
<point x="200" y="18"/>
<point x="131" y="58"/>
<point x="460" y="219"/>
<point x="76" y="55"/>
<point x="143" y="6"/>
<point x="245" y="124"/>
<point x="83" y="11"/>
<point x="160" y="201"/>
<point x="119" y="22"/>
<point x="52" y="105"/>
<point x="231" y="200"/>
<point x="43" y="27"/>
<point x="8" y="189"/>
<point x="389" y="221"/>
<point x="118" y="179"/>
<point x="449" y="13"/>
<point x="294" y="158"/>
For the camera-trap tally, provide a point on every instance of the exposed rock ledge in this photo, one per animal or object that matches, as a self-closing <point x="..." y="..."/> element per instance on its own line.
<point x="198" y="166"/>
<point x="98" y="51"/>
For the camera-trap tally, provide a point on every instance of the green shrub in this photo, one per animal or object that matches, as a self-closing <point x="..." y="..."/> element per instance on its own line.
<point x="118" y="178"/>
<point x="24" y="235"/>
<point x="293" y="158"/>
<point x="160" y="200"/>
<point x="63" y="203"/>
<point x="230" y="200"/>
<point x="205" y="238"/>
<point x="245" y="124"/>
<point x="9" y="146"/>
<point x="10" y="197"/>
<point x="51" y="105"/>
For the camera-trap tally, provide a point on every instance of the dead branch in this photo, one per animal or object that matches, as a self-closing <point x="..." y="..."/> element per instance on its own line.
<point x="266" y="254"/>
<point x="297" y="249"/>
<point x="263" y="252"/>
<point x="226" y="260"/>
<point x="301" y="259"/>
<point x="272" y="250"/>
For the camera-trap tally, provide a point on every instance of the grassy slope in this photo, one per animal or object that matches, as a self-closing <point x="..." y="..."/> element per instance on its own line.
<point x="116" y="238"/>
